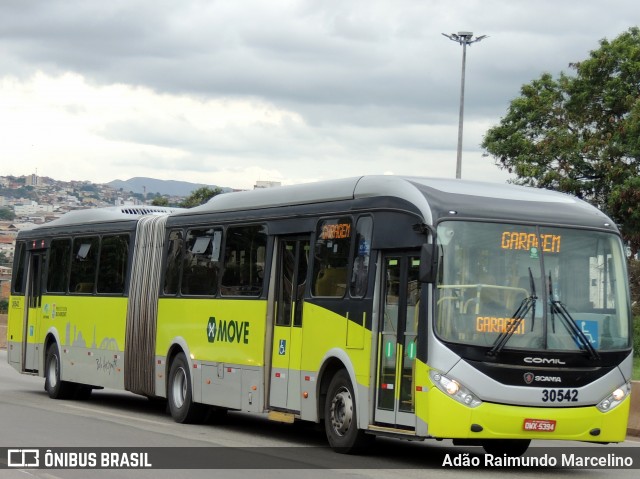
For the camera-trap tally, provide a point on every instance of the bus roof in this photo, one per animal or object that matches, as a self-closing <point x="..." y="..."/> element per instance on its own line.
<point x="434" y="198"/>
<point x="107" y="215"/>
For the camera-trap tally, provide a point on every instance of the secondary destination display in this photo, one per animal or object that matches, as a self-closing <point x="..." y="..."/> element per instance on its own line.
<point x="336" y="231"/>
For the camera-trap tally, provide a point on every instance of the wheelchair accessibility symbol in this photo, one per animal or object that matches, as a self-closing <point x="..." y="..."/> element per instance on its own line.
<point x="591" y="332"/>
<point x="282" y="347"/>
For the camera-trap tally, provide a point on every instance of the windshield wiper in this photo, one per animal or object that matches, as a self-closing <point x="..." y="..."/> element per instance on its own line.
<point x="570" y="324"/>
<point x="527" y="304"/>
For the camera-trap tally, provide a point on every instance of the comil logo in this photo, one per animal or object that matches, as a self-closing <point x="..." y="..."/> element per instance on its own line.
<point x="23" y="458"/>
<point x="530" y="360"/>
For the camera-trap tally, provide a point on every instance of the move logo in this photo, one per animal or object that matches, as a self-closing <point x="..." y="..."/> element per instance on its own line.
<point x="227" y="331"/>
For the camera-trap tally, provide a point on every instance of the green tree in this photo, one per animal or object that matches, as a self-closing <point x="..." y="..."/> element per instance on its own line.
<point x="7" y="215"/>
<point x="580" y="133"/>
<point x="200" y="196"/>
<point x="160" y="201"/>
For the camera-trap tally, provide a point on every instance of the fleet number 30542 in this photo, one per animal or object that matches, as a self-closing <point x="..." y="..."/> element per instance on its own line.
<point x="559" y="395"/>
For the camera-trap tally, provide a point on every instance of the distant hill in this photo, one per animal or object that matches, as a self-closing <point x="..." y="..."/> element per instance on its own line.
<point x="164" y="187"/>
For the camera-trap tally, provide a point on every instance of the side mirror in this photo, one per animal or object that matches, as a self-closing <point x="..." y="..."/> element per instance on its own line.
<point x="428" y="263"/>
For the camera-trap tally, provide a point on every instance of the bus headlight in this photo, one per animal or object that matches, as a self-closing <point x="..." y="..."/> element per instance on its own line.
<point x="454" y="389"/>
<point x="615" y="398"/>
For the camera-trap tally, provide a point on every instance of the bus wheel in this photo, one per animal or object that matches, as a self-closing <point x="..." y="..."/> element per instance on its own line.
<point x="508" y="447"/>
<point x="340" y="417"/>
<point x="181" y="405"/>
<point x="55" y="387"/>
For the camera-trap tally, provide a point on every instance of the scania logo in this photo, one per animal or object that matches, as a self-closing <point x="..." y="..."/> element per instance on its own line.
<point x="530" y="378"/>
<point x="530" y="360"/>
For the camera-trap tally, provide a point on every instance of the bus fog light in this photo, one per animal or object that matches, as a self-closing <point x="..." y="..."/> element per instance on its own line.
<point x="615" y="398"/>
<point x="454" y="389"/>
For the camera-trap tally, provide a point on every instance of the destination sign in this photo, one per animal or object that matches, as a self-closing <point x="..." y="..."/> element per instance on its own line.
<point x="514" y="240"/>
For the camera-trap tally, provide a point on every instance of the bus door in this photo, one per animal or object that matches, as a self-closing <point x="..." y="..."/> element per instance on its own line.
<point x="292" y="264"/>
<point x="33" y="312"/>
<point x="397" y="340"/>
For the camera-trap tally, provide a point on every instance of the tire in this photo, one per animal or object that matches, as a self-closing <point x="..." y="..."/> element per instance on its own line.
<point x="55" y="387"/>
<point x="340" y="417"/>
<point x="179" y="394"/>
<point x="508" y="447"/>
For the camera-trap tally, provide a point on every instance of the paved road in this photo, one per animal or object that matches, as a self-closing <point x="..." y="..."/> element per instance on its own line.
<point x="28" y="418"/>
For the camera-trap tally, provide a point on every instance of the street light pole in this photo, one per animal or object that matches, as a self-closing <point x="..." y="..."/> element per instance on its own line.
<point x="464" y="39"/>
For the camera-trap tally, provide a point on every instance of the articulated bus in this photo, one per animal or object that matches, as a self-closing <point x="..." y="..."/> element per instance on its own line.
<point x="406" y="307"/>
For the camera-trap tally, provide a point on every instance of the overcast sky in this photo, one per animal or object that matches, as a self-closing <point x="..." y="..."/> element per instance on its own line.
<point x="230" y="92"/>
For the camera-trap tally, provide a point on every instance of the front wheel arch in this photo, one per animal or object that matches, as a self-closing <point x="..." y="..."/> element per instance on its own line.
<point x="334" y="360"/>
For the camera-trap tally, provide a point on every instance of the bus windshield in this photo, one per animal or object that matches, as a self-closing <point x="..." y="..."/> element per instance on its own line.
<point x="508" y="286"/>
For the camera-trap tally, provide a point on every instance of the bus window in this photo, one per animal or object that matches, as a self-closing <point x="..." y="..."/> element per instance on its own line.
<point x="201" y="265"/>
<point x="84" y="265"/>
<point x="360" y="273"/>
<point x="58" y="269"/>
<point x="114" y="257"/>
<point x="244" y="261"/>
<point x="174" y="260"/>
<point x="333" y="243"/>
<point x="492" y="273"/>
<point x="19" y="273"/>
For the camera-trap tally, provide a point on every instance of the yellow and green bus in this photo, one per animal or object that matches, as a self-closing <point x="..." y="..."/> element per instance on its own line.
<point x="379" y="305"/>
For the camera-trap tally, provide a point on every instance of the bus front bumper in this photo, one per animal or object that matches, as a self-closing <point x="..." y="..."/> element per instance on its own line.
<point x="447" y="418"/>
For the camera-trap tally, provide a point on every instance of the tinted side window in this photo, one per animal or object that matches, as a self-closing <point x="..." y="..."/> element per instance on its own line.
<point x="20" y="263"/>
<point x="362" y="252"/>
<point x="244" y="261"/>
<point x="58" y="269"/>
<point x="174" y="260"/>
<point x="114" y="257"/>
<point x="332" y="247"/>
<point x="84" y="264"/>
<point x="202" y="262"/>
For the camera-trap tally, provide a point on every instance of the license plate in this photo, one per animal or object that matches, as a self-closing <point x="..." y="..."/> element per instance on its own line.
<point x="541" y="425"/>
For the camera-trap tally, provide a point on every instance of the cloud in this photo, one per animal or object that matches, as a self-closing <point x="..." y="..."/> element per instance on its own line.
<point x="291" y="90"/>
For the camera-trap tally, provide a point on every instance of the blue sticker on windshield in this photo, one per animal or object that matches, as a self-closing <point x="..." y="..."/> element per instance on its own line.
<point x="591" y="332"/>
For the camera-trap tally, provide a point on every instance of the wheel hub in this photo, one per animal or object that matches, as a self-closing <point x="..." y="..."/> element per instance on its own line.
<point x="179" y="388"/>
<point x="342" y="411"/>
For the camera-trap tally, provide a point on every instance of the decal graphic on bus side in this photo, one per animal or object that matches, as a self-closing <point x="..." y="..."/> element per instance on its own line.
<point x="227" y="331"/>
